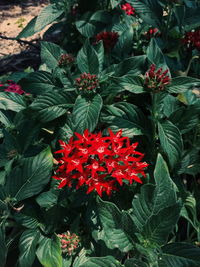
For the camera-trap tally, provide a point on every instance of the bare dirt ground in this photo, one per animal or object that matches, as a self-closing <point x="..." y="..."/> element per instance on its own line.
<point x="13" y="18"/>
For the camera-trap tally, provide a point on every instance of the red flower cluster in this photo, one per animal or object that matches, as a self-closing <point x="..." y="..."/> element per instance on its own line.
<point x="69" y="242"/>
<point x="128" y="9"/>
<point x="87" y="82"/>
<point x="156" y="80"/>
<point x="100" y="163"/>
<point x="109" y="39"/>
<point x="66" y="60"/>
<point x="11" y="86"/>
<point x="192" y="39"/>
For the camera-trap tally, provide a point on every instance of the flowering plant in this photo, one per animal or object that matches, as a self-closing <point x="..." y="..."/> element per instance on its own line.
<point x="99" y="159"/>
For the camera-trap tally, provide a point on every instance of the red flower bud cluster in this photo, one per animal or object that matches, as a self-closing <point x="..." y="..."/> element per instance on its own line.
<point x="87" y="82"/>
<point x="109" y="39"/>
<point x="151" y="33"/>
<point x="99" y="163"/>
<point x="156" y="79"/>
<point x="69" y="242"/>
<point x="66" y="60"/>
<point x="192" y="39"/>
<point x="128" y="9"/>
<point x="11" y="86"/>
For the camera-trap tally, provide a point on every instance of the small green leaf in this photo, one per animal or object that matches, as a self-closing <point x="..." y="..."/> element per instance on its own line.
<point x="171" y="141"/>
<point x="28" y="30"/>
<point x="27" y="247"/>
<point x="49" y="252"/>
<point x="86" y="112"/>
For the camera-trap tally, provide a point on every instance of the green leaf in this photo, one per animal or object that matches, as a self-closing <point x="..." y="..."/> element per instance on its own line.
<point x="50" y="54"/>
<point x="171" y="141"/>
<point x="179" y="254"/>
<point x="30" y="178"/>
<point x="49" y="252"/>
<point x="48" y="15"/>
<point x="125" y="116"/>
<point x="114" y="3"/>
<point x="134" y="263"/>
<point x="157" y="230"/>
<point x="3" y="247"/>
<point x="99" y="48"/>
<point x="185" y="119"/>
<point x="92" y="23"/>
<point x="182" y="84"/>
<point x="116" y="226"/>
<point x="87" y="59"/>
<point x="154" y="199"/>
<point x="27" y="247"/>
<point x="51" y="106"/>
<point x="28" y="30"/>
<point x="12" y="101"/>
<point x="37" y="82"/>
<point x="133" y="84"/>
<point x="86" y="112"/>
<point x="155" y="55"/>
<point x="149" y="10"/>
<point x="101" y="262"/>
<point x="125" y="41"/>
<point x="47" y="199"/>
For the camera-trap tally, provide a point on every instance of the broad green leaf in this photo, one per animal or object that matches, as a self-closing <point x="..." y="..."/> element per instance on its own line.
<point x="50" y="54"/>
<point x="171" y="141"/>
<point x="101" y="262"/>
<point x="30" y="178"/>
<point x="86" y="112"/>
<point x="6" y="119"/>
<point x="182" y="84"/>
<point x="190" y="163"/>
<point x="185" y="119"/>
<point x="125" y="42"/>
<point x="49" y="252"/>
<point x="149" y="10"/>
<point x="87" y="59"/>
<point x="154" y="199"/>
<point x="133" y="66"/>
<point x="92" y="23"/>
<point x="117" y="226"/>
<point x="155" y="55"/>
<point x="3" y="247"/>
<point x="99" y="48"/>
<point x="125" y="116"/>
<point x="179" y="254"/>
<point x="27" y="247"/>
<point x="133" y="84"/>
<point x="28" y="30"/>
<point x="48" y="106"/>
<point x="38" y="82"/>
<point x="157" y="229"/>
<point x="47" y="199"/>
<point x="191" y="20"/>
<point x="134" y="263"/>
<point x="12" y="101"/>
<point x="48" y="15"/>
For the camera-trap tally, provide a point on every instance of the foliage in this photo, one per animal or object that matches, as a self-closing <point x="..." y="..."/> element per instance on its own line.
<point x="122" y="71"/>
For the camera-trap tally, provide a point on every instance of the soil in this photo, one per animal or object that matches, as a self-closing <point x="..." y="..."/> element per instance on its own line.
<point x="14" y="16"/>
